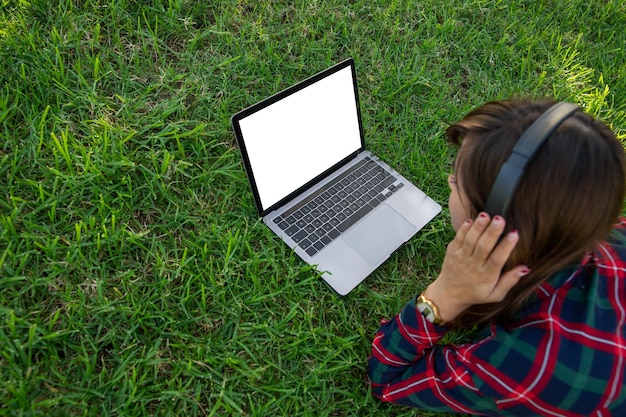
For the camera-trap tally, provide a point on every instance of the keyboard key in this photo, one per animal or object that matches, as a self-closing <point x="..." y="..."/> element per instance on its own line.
<point x="298" y="237"/>
<point x="354" y="218"/>
<point x="388" y="181"/>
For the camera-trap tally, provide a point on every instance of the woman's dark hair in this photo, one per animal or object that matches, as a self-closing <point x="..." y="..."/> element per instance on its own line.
<point x="569" y="197"/>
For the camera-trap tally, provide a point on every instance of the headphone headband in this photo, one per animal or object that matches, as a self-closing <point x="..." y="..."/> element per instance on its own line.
<point x="508" y="177"/>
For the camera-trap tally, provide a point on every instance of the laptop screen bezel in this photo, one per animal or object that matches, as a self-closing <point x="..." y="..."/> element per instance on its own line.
<point x="236" y="118"/>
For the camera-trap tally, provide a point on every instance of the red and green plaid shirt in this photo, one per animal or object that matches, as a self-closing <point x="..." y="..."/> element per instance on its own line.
<point x="565" y="356"/>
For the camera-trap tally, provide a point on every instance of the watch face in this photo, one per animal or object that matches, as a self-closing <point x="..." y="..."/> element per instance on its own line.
<point x="426" y="311"/>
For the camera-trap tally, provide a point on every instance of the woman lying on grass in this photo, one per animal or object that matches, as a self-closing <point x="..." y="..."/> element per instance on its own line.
<point x="546" y="286"/>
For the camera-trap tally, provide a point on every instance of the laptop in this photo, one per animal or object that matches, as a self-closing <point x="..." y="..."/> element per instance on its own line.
<point x="337" y="205"/>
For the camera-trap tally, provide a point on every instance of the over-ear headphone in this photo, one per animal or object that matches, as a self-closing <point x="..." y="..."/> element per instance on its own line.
<point x="508" y="177"/>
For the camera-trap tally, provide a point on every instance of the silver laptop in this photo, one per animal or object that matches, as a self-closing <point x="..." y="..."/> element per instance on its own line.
<point x="334" y="203"/>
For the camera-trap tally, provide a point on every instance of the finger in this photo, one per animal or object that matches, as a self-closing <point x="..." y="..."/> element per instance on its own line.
<point x="500" y="255"/>
<point x="489" y="239"/>
<point x="459" y="238"/>
<point x="507" y="281"/>
<point x="475" y="232"/>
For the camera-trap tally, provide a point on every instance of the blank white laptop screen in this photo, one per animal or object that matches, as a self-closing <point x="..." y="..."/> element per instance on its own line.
<point x="294" y="140"/>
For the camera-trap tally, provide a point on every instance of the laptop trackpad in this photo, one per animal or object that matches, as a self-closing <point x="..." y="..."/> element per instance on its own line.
<point x="379" y="234"/>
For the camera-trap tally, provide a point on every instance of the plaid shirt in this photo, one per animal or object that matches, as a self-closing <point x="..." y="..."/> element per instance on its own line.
<point x="565" y="356"/>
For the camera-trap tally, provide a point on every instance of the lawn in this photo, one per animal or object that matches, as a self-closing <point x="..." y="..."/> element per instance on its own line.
<point x="136" y="278"/>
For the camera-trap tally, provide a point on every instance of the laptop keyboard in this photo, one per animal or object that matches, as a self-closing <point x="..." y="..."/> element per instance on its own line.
<point x="323" y="216"/>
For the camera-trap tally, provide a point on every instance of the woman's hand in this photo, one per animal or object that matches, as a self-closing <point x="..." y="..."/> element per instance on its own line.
<point x="472" y="268"/>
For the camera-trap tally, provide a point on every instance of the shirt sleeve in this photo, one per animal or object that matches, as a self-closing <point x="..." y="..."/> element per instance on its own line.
<point x="408" y="367"/>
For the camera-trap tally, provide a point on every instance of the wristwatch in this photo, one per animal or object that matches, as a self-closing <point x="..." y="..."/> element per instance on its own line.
<point x="429" y="310"/>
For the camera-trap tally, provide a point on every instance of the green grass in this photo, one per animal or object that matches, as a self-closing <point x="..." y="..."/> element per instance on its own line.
<point x="135" y="276"/>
